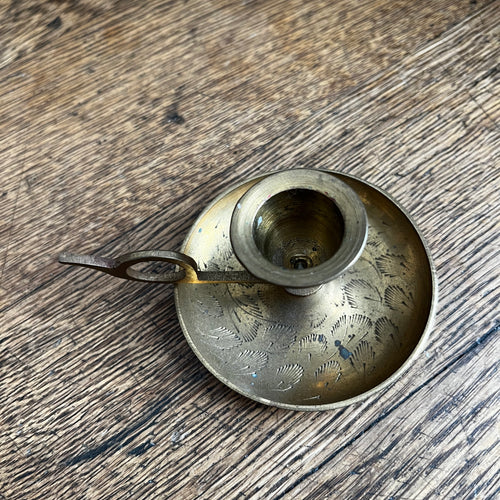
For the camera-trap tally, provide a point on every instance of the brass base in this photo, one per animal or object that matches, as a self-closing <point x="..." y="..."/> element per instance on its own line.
<point x="355" y="336"/>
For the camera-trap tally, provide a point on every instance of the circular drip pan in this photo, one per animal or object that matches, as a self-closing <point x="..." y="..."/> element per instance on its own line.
<point x="353" y="337"/>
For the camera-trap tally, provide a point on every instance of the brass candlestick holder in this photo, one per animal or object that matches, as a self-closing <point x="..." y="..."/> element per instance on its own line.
<point x="303" y="289"/>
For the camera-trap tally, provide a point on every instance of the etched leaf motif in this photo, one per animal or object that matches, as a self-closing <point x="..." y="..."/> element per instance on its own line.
<point x="248" y="330"/>
<point x="249" y="303"/>
<point x="247" y="362"/>
<point x="350" y="326"/>
<point x="286" y="377"/>
<point x="278" y="337"/>
<point x="358" y="291"/>
<point x="316" y="320"/>
<point x="397" y="299"/>
<point x="385" y="328"/>
<point x="313" y="342"/>
<point x="372" y="240"/>
<point x="374" y="243"/>
<point x="363" y="358"/>
<point x="266" y="296"/>
<point x="331" y="371"/>
<point x="391" y="265"/>
<point x="225" y="257"/>
<point x="210" y="306"/>
<point x="221" y="338"/>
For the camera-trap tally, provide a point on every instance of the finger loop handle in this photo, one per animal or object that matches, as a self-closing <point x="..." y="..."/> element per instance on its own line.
<point x="122" y="267"/>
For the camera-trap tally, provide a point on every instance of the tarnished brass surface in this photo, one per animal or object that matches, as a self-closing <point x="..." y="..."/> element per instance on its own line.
<point x="324" y="350"/>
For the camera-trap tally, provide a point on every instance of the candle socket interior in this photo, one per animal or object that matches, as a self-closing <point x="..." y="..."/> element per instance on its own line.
<point x="298" y="229"/>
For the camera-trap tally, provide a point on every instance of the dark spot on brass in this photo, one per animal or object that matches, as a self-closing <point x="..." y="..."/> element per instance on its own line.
<point x="344" y="353"/>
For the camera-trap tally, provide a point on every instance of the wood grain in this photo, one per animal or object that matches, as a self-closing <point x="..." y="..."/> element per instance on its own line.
<point x="120" y="122"/>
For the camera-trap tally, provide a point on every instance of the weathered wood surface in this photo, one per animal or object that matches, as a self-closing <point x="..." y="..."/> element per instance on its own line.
<point x="119" y="122"/>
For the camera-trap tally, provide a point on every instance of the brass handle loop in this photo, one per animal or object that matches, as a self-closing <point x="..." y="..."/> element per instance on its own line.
<point x="121" y="267"/>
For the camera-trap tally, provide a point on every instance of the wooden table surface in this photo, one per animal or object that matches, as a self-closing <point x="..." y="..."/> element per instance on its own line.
<point x="120" y="121"/>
